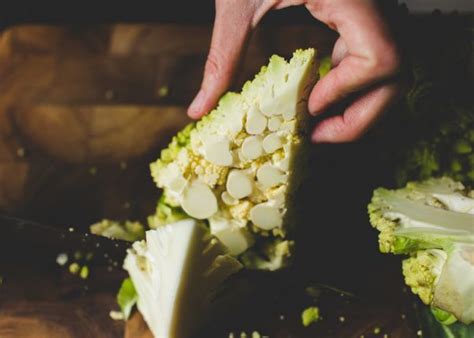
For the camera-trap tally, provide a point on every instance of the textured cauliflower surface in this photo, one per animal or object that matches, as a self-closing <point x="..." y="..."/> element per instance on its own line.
<point x="237" y="166"/>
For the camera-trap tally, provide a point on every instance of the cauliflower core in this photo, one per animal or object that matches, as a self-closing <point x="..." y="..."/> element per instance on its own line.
<point x="177" y="272"/>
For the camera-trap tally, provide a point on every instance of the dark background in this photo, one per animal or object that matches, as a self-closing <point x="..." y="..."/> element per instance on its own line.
<point x="14" y="12"/>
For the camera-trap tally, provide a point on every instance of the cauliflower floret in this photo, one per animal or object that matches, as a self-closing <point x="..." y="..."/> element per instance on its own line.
<point x="241" y="210"/>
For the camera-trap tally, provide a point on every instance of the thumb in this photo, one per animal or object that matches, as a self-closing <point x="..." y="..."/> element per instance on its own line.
<point x="232" y="26"/>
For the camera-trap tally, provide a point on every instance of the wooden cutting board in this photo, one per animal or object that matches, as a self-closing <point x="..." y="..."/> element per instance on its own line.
<point x="44" y="300"/>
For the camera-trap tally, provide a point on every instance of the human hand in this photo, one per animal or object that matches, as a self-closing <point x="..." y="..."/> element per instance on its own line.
<point x="365" y="62"/>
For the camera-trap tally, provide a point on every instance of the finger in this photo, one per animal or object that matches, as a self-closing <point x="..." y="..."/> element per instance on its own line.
<point x="351" y="75"/>
<point x="339" y="52"/>
<point x="280" y="4"/>
<point x="232" y="27"/>
<point x="370" y="55"/>
<point x="357" y="118"/>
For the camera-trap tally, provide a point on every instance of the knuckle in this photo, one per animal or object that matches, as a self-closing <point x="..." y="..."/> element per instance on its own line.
<point x="212" y="63"/>
<point x="391" y="60"/>
<point x="384" y="62"/>
<point x="214" y="67"/>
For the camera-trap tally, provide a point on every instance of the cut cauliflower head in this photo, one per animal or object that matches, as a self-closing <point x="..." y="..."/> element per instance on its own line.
<point x="237" y="166"/>
<point x="433" y="222"/>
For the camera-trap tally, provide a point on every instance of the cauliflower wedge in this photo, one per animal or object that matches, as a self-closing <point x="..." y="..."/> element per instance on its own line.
<point x="176" y="272"/>
<point x="239" y="167"/>
<point x="432" y="222"/>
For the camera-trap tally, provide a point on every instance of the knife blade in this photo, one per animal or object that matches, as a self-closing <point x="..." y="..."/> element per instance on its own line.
<point x="20" y="237"/>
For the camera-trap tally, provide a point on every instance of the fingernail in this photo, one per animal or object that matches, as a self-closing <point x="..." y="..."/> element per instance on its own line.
<point x="196" y="107"/>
